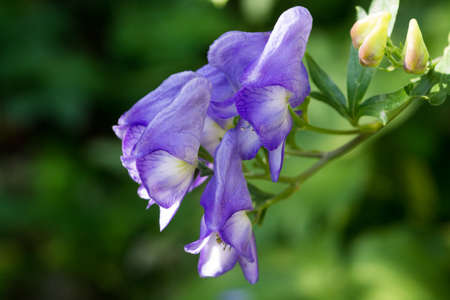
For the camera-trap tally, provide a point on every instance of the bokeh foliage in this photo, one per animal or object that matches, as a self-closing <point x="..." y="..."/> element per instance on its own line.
<point x="373" y="225"/>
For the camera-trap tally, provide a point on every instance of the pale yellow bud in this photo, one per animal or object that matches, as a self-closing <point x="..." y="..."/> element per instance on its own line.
<point x="361" y="29"/>
<point x="372" y="49"/>
<point x="415" y="52"/>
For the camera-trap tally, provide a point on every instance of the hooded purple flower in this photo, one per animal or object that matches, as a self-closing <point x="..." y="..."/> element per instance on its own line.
<point x="226" y="192"/>
<point x="220" y="250"/>
<point x="226" y="234"/>
<point x="267" y="74"/>
<point x="161" y="137"/>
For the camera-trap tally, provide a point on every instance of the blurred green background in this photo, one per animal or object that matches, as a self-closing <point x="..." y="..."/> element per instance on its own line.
<point x="372" y="225"/>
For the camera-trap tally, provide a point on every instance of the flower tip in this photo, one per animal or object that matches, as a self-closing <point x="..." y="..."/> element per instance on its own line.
<point x="415" y="52"/>
<point x="365" y="26"/>
<point x="371" y="52"/>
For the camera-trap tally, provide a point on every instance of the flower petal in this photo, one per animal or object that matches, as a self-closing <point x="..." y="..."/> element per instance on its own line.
<point x="222" y="102"/>
<point x="248" y="140"/>
<point x="234" y="51"/>
<point x="130" y="164"/>
<point x="198" y="180"/>
<point x="197" y="246"/>
<point x="267" y="111"/>
<point x="166" y="214"/>
<point x="177" y="129"/>
<point x="216" y="258"/>
<point x="226" y="192"/>
<point x="276" y="162"/>
<point x="142" y="192"/>
<point x="120" y="130"/>
<point x="148" y="107"/>
<point x="132" y="136"/>
<point x="165" y="177"/>
<point x="281" y="61"/>
<point x="238" y="233"/>
<point x="250" y="268"/>
<point x="211" y="135"/>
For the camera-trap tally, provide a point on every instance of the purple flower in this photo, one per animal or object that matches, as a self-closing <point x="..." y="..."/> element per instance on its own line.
<point x="221" y="249"/>
<point x="226" y="235"/>
<point x="161" y="137"/>
<point x="221" y="105"/>
<point x="267" y="73"/>
<point x="226" y="192"/>
<point x="249" y="143"/>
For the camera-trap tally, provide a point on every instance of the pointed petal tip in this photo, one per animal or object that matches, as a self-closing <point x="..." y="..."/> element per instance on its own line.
<point x="276" y="158"/>
<point x="166" y="215"/>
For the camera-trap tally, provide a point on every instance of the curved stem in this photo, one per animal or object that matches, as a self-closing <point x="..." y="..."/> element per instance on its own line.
<point x="330" y="131"/>
<point x="298" y="180"/>
<point x="300" y="153"/>
<point x="282" y="179"/>
<point x="365" y="132"/>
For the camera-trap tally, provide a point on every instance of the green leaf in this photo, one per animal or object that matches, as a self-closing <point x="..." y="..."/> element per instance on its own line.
<point x="318" y="96"/>
<point x="332" y="94"/>
<point x="385" y="5"/>
<point x="258" y="195"/>
<point x="261" y="217"/>
<point x="439" y="97"/>
<point x="358" y="80"/>
<point x="427" y="82"/>
<point x="385" y="106"/>
<point x="204" y="169"/>
<point x="203" y="153"/>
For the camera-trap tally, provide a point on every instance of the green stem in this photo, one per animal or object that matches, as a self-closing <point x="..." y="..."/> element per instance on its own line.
<point x="266" y="177"/>
<point x="310" y="154"/>
<point x="296" y="182"/>
<point x="330" y="131"/>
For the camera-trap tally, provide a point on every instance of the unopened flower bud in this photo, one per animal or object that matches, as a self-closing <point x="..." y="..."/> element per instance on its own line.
<point x="415" y="51"/>
<point x="362" y="28"/>
<point x="372" y="49"/>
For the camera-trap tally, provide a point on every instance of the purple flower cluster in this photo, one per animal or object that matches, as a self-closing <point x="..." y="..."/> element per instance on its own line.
<point x="252" y="76"/>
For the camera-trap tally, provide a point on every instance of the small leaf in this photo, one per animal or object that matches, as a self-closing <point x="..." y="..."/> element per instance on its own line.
<point x="427" y="82"/>
<point x="390" y="6"/>
<point x="358" y="80"/>
<point x="385" y="106"/>
<point x="439" y="97"/>
<point x="433" y="86"/>
<point x="332" y="94"/>
<point x="258" y="195"/>
<point x="204" y="169"/>
<point x="261" y="216"/>
<point x="202" y="153"/>
<point x="318" y="96"/>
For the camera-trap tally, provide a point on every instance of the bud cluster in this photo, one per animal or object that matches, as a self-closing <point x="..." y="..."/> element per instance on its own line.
<point x="370" y="35"/>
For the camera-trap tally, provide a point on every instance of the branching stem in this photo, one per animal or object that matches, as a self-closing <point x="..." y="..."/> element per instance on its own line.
<point x="295" y="182"/>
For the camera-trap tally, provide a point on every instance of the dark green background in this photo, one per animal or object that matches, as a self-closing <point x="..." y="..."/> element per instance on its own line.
<point x="373" y="225"/>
